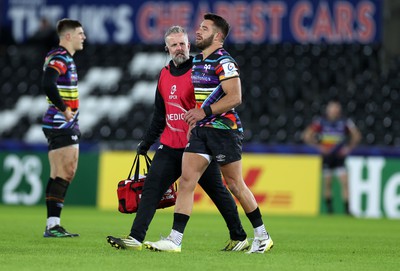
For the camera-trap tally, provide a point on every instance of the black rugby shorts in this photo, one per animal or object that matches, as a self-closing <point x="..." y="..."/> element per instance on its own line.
<point x="224" y="146"/>
<point x="58" y="138"/>
<point x="333" y="162"/>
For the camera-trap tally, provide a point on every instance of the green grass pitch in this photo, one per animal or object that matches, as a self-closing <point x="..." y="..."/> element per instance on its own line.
<point x="301" y="243"/>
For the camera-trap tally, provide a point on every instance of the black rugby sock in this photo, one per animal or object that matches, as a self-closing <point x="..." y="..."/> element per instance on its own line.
<point x="329" y="207"/>
<point x="55" y="194"/>
<point x="255" y="218"/>
<point x="180" y="221"/>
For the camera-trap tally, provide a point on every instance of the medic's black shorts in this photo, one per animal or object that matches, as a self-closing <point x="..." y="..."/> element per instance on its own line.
<point x="224" y="146"/>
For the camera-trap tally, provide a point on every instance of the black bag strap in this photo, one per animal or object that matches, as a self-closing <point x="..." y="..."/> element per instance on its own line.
<point x="133" y="164"/>
<point x="148" y="161"/>
<point x="136" y="165"/>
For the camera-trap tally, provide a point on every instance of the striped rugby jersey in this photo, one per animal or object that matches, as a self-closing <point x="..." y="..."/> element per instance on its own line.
<point x="207" y="76"/>
<point x="67" y="84"/>
<point x="332" y="134"/>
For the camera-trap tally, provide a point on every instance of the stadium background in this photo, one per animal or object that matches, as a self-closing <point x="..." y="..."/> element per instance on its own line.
<point x="294" y="57"/>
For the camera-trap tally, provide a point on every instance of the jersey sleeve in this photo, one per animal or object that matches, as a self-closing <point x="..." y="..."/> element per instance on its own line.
<point x="158" y="123"/>
<point x="59" y="64"/>
<point x="49" y="85"/>
<point x="226" y="69"/>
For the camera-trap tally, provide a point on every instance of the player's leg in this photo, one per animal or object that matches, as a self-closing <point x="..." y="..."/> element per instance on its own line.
<point x="211" y="182"/>
<point x="342" y="175"/>
<point x="63" y="165"/>
<point x="232" y="173"/>
<point x="165" y="170"/>
<point x="327" y="185"/>
<point x="226" y="146"/>
<point x="328" y="165"/>
<point x="193" y="166"/>
<point x="327" y="175"/>
<point x="64" y="162"/>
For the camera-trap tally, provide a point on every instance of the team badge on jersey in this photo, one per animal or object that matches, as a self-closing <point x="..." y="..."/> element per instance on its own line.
<point x="230" y="69"/>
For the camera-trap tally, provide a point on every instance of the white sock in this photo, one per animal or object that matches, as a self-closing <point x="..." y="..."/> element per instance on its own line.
<point x="52" y="221"/>
<point x="260" y="231"/>
<point x="176" y="237"/>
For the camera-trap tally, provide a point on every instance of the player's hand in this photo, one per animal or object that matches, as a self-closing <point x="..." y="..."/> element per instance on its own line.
<point x="194" y="115"/>
<point x="68" y="114"/>
<point x="344" y="151"/>
<point x="143" y="147"/>
<point x="189" y="132"/>
<point x="323" y="150"/>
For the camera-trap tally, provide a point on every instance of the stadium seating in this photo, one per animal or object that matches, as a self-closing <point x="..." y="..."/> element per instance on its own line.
<point x="284" y="87"/>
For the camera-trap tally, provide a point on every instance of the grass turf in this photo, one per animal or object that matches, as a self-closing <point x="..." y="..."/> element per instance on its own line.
<point x="301" y="243"/>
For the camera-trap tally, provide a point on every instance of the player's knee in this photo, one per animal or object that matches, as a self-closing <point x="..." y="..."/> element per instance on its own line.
<point x="70" y="176"/>
<point x="234" y="189"/>
<point x="69" y="173"/>
<point x="186" y="184"/>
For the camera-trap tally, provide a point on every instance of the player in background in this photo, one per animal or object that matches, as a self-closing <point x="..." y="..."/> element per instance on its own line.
<point x="334" y="137"/>
<point x="60" y="122"/>
<point x="174" y="96"/>
<point x="216" y="135"/>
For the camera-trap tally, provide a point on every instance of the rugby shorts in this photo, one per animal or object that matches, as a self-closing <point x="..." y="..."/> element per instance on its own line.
<point x="58" y="138"/>
<point x="224" y="146"/>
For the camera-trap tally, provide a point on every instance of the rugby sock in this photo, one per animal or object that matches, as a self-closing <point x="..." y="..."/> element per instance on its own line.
<point x="178" y="227"/>
<point x="329" y="207"/>
<point x="52" y="221"/>
<point x="55" y="194"/>
<point x="346" y="207"/>
<point x="258" y="225"/>
<point x="180" y="221"/>
<point x="255" y="218"/>
<point x="260" y="231"/>
<point x="176" y="237"/>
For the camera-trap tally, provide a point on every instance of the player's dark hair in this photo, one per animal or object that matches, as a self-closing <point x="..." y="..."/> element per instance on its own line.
<point x="67" y="24"/>
<point x="220" y="23"/>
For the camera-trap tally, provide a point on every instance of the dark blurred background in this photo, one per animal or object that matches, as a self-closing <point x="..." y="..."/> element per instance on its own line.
<point x="287" y="78"/>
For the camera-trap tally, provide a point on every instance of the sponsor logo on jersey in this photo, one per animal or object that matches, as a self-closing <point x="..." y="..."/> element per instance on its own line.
<point x="173" y="89"/>
<point x="173" y="96"/>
